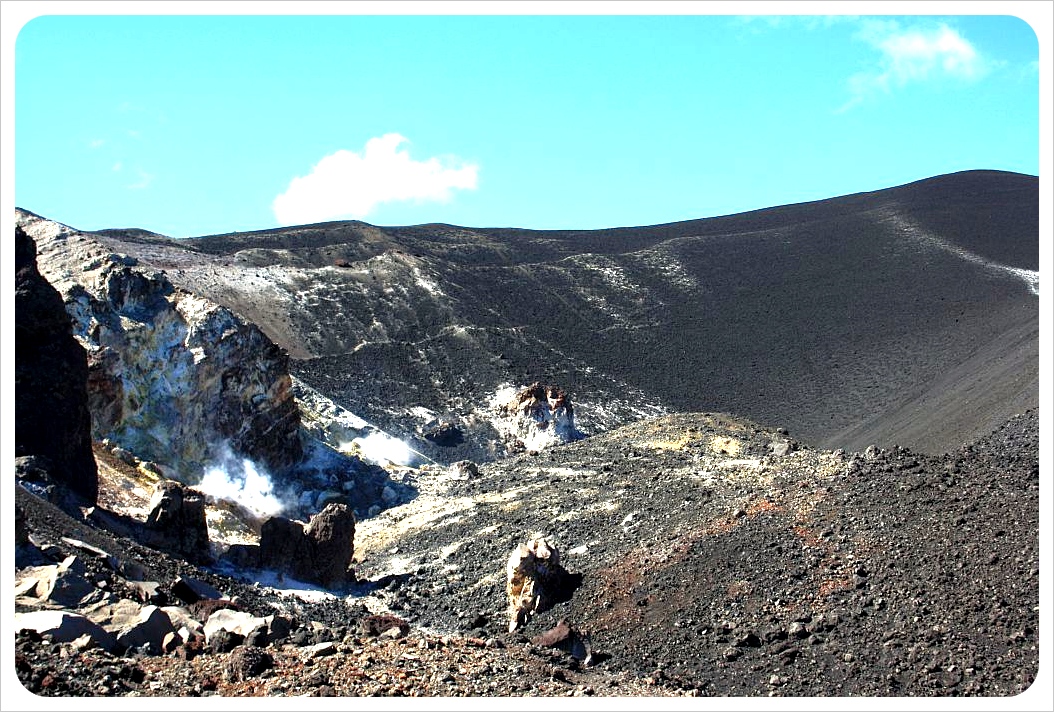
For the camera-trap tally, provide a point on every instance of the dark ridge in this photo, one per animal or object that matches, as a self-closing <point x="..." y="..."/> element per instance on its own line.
<point x="886" y="317"/>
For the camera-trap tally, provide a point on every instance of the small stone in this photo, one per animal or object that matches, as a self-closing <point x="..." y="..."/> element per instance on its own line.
<point x="318" y="650"/>
<point x="247" y="662"/>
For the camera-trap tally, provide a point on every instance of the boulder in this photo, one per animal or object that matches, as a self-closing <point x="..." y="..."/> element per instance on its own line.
<point x="319" y="552"/>
<point x="534" y="580"/>
<point x="183" y="622"/>
<point x="191" y="590"/>
<point x="379" y="624"/>
<point x="246" y="662"/>
<point x="147" y="591"/>
<point x="465" y="469"/>
<point x="564" y="637"/>
<point x="149" y="628"/>
<point x="114" y="616"/>
<point x="331" y="534"/>
<point x="64" y="627"/>
<point x="51" y="375"/>
<point x="782" y="448"/>
<point x="62" y="584"/>
<point x="535" y="417"/>
<point x="281" y="544"/>
<point x="177" y="522"/>
<point x="239" y="623"/>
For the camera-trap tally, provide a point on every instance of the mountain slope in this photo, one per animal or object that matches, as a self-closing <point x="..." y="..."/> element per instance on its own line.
<point x="860" y="319"/>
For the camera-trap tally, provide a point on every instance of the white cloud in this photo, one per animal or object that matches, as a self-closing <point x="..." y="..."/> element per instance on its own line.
<point x="914" y="54"/>
<point x="347" y="184"/>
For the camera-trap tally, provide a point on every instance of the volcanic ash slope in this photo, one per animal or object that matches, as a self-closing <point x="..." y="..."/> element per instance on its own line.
<point x="733" y="560"/>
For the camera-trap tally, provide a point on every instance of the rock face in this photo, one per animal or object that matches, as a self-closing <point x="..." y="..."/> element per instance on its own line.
<point x="52" y="420"/>
<point x="172" y="377"/>
<point x="319" y="552"/>
<point x="535" y="417"/>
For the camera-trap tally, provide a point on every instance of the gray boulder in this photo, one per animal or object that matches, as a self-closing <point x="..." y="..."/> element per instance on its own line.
<point x="61" y="584"/>
<point x="64" y="627"/>
<point x="227" y="620"/>
<point x="149" y="628"/>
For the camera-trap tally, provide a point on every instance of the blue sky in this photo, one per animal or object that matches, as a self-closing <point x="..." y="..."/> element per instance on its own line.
<point x="197" y="124"/>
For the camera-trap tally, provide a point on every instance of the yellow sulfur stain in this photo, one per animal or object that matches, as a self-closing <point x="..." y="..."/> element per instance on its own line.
<point x="678" y="444"/>
<point x="725" y="446"/>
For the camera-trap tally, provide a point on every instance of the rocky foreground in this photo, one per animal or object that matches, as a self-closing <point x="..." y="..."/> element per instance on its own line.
<point x="700" y="554"/>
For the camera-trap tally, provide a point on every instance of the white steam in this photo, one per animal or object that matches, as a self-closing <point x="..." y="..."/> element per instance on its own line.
<point x="240" y="480"/>
<point x="380" y="448"/>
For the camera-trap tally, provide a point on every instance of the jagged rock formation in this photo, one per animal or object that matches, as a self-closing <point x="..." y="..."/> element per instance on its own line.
<point x="52" y="420"/>
<point x="177" y="522"/>
<point x="318" y="552"/>
<point x="534" y="580"/>
<point x="535" y="417"/>
<point x="173" y="377"/>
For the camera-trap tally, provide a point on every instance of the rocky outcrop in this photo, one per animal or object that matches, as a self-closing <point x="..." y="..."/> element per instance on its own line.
<point x="173" y="377"/>
<point x="534" y="417"/>
<point x="177" y="522"/>
<point x="319" y="552"/>
<point x="52" y="419"/>
<point x="534" y="580"/>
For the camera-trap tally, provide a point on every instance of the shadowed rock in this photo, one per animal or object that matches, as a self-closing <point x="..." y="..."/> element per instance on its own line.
<point x="319" y="552"/>
<point x="64" y="627"/>
<point x="177" y="522"/>
<point x="51" y="373"/>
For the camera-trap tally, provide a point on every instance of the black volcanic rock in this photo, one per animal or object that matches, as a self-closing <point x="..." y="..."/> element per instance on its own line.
<point x="51" y="372"/>
<point x="319" y="552"/>
<point x="177" y="522"/>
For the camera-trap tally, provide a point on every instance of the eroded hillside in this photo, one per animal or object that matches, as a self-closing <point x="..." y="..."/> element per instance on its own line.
<point x="904" y="316"/>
